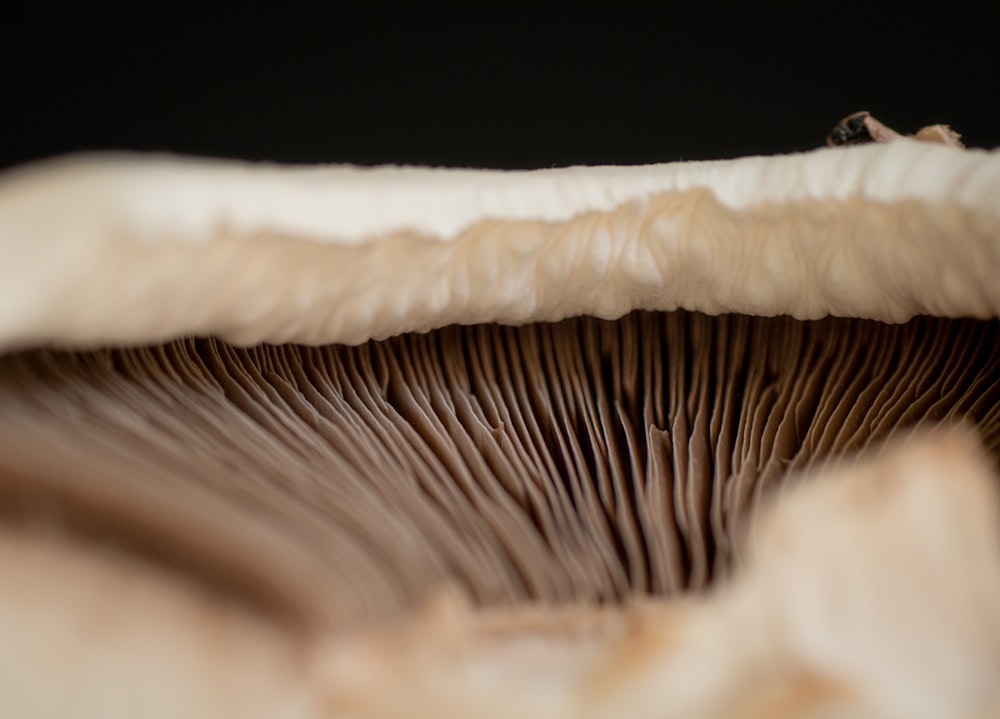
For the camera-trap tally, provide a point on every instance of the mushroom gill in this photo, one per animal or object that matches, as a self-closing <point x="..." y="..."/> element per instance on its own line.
<point x="300" y="395"/>
<point x="582" y="460"/>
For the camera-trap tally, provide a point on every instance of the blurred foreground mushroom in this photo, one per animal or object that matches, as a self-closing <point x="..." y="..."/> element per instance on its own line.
<point x="404" y="442"/>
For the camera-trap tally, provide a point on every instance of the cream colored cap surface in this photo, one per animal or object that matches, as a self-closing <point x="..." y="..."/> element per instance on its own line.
<point x="131" y="249"/>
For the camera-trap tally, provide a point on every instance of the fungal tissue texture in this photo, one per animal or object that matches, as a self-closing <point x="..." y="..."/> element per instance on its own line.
<point x="696" y="440"/>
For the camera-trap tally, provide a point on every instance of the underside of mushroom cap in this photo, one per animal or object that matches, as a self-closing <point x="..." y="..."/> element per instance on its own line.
<point x="584" y="460"/>
<point x="184" y="422"/>
<point x="127" y="250"/>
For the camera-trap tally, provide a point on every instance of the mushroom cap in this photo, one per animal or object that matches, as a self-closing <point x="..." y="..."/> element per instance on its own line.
<point x="131" y="249"/>
<point x="273" y="498"/>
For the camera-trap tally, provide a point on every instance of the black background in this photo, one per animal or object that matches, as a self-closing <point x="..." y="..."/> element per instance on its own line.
<point x="502" y="87"/>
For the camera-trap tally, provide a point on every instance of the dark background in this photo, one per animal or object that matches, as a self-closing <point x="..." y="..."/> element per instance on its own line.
<point x="488" y="88"/>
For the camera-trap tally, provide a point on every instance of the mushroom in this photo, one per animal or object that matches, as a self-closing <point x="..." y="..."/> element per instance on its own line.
<point x="403" y="442"/>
